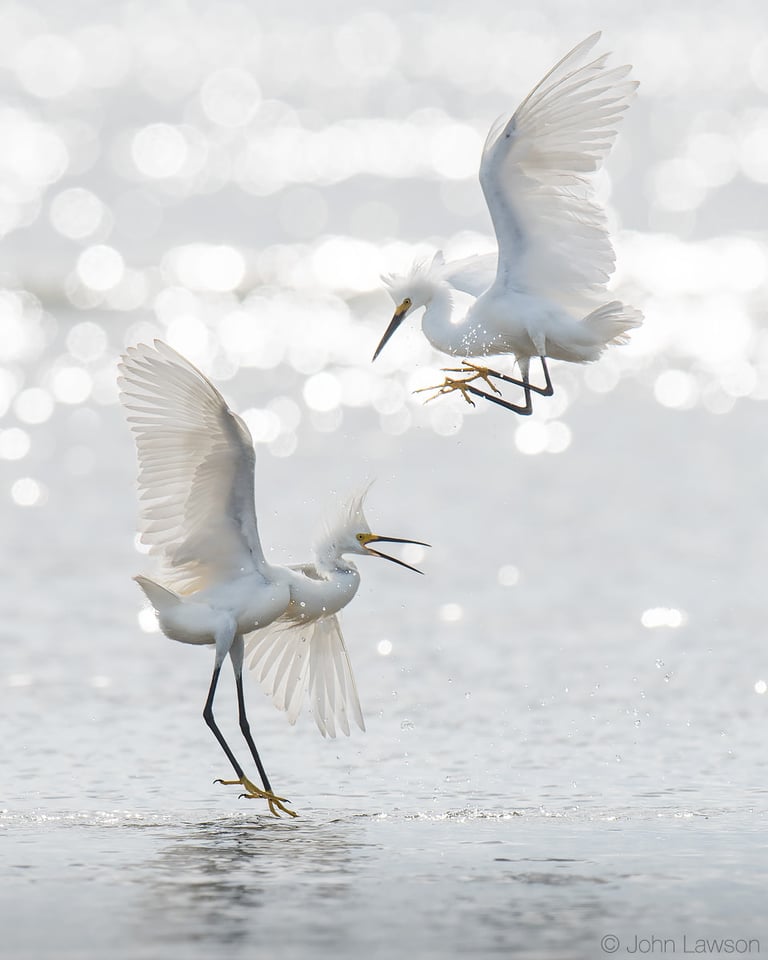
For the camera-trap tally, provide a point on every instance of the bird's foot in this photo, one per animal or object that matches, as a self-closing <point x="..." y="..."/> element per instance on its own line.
<point x="276" y="804"/>
<point x="451" y="384"/>
<point x="475" y="373"/>
<point x="472" y="373"/>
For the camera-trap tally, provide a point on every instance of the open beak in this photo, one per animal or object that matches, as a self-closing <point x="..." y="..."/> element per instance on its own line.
<point x="394" y="323"/>
<point x="372" y="538"/>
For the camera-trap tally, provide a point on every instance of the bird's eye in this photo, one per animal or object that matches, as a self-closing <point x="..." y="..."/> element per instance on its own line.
<point x="407" y="302"/>
<point x="360" y="537"/>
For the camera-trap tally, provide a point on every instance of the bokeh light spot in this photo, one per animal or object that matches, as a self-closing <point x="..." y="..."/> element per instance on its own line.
<point x="230" y="97"/>
<point x="663" y="617"/>
<point x="87" y="341"/>
<point x="71" y="385"/>
<point x="27" y="492"/>
<point x="14" y="444"/>
<point x="77" y="213"/>
<point x="159" y="150"/>
<point x="100" y="267"/>
<point x="322" y="392"/>
<point x="204" y="266"/>
<point x="531" y="437"/>
<point x="676" y="389"/>
<point x="450" y="612"/>
<point x="34" y="405"/>
<point x="49" y="66"/>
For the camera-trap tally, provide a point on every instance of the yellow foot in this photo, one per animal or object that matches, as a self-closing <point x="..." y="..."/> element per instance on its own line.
<point x="449" y="386"/>
<point x="276" y="804"/>
<point x="461" y="384"/>
<point x="476" y="373"/>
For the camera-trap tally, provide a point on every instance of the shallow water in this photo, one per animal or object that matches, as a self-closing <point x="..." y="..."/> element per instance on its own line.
<point x="469" y="882"/>
<point x="565" y="715"/>
<point x="538" y="774"/>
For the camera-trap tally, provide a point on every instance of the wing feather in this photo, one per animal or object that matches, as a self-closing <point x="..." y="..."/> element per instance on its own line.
<point x="552" y="235"/>
<point x="472" y="274"/>
<point x="308" y="659"/>
<point x="196" y="467"/>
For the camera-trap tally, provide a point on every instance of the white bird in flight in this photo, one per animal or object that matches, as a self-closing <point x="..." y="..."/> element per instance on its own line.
<point x="196" y="486"/>
<point x="544" y="294"/>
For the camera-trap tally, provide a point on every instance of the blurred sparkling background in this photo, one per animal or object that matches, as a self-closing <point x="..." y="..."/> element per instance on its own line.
<point x="234" y="177"/>
<point x="236" y="180"/>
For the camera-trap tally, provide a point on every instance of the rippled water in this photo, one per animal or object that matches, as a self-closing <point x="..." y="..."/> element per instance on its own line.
<point x="566" y="714"/>
<point x="540" y="767"/>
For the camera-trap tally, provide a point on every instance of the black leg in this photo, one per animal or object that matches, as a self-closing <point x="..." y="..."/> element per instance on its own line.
<point x="525" y="410"/>
<point x="208" y="717"/>
<point x="276" y="804"/>
<point x="246" y="730"/>
<point x="549" y="389"/>
<point x="545" y="391"/>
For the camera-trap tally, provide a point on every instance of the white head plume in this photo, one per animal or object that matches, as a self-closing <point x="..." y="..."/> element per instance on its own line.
<point x="418" y="283"/>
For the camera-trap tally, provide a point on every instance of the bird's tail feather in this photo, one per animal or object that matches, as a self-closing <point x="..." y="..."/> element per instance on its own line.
<point x="161" y="598"/>
<point x="612" y="322"/>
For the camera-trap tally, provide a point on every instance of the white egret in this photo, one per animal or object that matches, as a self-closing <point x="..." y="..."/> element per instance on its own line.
<point x="196" y="483"/>
<point x="543" y="295"/>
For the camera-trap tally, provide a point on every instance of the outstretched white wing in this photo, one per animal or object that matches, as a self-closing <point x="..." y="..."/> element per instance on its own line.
<point x="472" y="274"/>
<point x="293" y="659"/>
<point x="196" y="464"/>
<point x="551" y="234"/>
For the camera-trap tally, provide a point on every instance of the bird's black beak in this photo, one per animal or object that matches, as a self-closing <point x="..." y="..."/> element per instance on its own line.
<point x="394" y="323"/>
<point x="367" y="538"/>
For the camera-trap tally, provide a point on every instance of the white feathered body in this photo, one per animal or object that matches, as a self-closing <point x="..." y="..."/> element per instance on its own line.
<point x="237" y="606"/>
<point x="506" y="320"/>
<point x="196" y="475"/>
<point x="544" y="291"/>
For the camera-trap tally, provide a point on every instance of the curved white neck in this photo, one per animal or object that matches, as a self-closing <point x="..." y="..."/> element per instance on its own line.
<point x="330" y="563"/>
<point x="436" y="323"/>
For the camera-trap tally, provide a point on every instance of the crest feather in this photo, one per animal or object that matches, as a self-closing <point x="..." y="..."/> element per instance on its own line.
<point x="349" y="520"/>
<point x="424" y="273"/>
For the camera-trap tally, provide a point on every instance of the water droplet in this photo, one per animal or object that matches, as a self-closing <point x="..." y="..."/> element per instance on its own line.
<point x="659" y="663"/>
<point x="407" y="724"/>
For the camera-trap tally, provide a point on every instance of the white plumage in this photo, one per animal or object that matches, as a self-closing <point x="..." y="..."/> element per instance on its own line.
<point x="543" y="294"/>
<point x="297" y="659"/>
<point x="196" y="476"/>
<point x="196" y="469"/>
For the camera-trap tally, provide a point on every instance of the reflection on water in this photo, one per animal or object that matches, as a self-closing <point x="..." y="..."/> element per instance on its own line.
<point x="351" y="886"/>
<point x="227" y="879"/>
